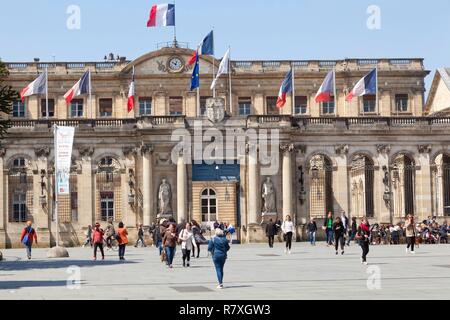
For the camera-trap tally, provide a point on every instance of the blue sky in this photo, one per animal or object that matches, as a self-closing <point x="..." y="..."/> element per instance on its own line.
<point x="255" y="29"/>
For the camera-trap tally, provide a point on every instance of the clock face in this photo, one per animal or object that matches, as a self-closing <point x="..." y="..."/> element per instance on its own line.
<point x="175" y="64"/>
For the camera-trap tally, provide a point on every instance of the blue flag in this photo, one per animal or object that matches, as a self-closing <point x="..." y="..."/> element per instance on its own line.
<point x="195" y="81"/>
<point x="208" y="44"/>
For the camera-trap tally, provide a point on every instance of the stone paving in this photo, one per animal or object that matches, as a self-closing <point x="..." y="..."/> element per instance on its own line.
<point x="252" y="272"/>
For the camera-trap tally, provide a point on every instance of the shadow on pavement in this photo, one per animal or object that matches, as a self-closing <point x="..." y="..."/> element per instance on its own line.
<point x="14" y="285"/>
<point x="55" y="264"/>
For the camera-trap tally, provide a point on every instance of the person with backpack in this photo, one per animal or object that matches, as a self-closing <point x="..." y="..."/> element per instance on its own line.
<point x="97" y="240"/>
<point x="170" y="244"/>
<point x="122" y="239"/>
<point x="363" y="236"/>
<point x="28" y="236"/>
<point x="311" y="228"/>
<point x="187" y="244"/>
<point x="218" y="246"/>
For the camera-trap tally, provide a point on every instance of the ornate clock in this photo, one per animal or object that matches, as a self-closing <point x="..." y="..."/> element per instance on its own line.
<point x="175" y="64"/>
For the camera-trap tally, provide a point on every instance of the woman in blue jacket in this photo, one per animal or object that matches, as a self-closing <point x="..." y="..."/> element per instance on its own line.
<point x="218" y="246"/>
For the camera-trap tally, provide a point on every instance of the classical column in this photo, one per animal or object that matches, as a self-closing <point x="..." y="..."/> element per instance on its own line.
<point x="181" y="188"/>
<point x="147" y="179"/>
<point x="86" y="190"/>
<point x="424" y="200"/>
<point x="253" y="189"/>
<point x="382" y="183"/>
<point x="287" y="179"/>
<point x="3" y="210"/>
<point x="340" y="180"/>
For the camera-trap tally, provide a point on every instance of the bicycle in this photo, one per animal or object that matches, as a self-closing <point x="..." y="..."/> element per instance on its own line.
<point x="114" y="244"/>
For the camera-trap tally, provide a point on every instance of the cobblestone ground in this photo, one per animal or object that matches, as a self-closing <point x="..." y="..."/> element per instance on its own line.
<point x="252" y="272"/>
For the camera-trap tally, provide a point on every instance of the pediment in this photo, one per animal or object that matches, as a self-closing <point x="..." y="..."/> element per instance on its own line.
<point x="158" y="63"/>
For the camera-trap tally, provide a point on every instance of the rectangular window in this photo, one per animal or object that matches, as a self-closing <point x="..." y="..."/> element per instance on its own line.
<point x="328" y="107"/>
<point x="272" y="108"/>
<point x="401" y="103"/>
<point x="245" y="106"/>
<point x="369" y="104"/>
<point x="176" y="106"/>
<point x="145" y="106"/>
<point x="76" y="108"/>
<point x="107" y="205"/>
<point x="203" y="105"/>
<point x="301" y="105"/>
<point x="51" y="108"/>
<point x="105" y="107"/>
<point x="18" y="109"/>
<point x="19" y="207"/>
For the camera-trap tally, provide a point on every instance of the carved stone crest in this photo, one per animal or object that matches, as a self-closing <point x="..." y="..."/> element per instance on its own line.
<point x="383" y="148"/>
<point x="341" y="149"/>
<point x="215" y="110"/>
<point x="425" y="148"/>
<point x="286" y="148"/>
<point x="42" y="152"/>
<point x="129" y="151"/>
<point x="86" y="151"/>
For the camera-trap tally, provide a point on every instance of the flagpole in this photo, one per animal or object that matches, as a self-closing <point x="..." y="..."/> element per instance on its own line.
<point x="335" y="91"/>
<point x="90" y="93"/>
<point x="376" y="94"/>
<point x="175" y="44"/>
<point x="46" y="93"/>
<point x="199" y="110"/>
<point x="55" y="132"/>
<point x="229" y="81"/>
<point x="293" y="88"/>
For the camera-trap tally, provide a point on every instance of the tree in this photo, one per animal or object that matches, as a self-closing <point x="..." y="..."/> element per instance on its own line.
<point x="7" y="96"/>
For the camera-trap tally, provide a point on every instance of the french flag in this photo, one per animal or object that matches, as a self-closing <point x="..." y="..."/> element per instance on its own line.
<point x="286" y="87"/>
<point x="367" y="85"/>
<point x="38" y="86"/>
<point x="326" y="90"/>
<point x="83" y="86"/>
<point x="131" y="94"/>
<point x="162" y="15"/>
<point x="206" y="47"/>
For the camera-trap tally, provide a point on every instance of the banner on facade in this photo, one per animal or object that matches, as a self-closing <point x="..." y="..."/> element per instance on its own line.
<point x="63" y="157"/>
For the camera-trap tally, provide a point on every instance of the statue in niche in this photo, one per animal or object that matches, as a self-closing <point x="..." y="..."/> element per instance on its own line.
<point x="165" y="197"/>
<point x="268" y="195"/>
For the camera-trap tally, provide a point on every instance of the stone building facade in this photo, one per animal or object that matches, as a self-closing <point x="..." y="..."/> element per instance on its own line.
<point x="381" y="160"/>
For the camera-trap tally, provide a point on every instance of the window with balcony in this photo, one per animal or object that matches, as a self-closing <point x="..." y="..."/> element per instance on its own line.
<point x="271" y="103"/>
<point x="18" y="110"/>
<point x="145" y="106"/>
<point x="301" y="105"/>
<point x="176" y="106"/>
<point x="245" y="106"/>
<point x="76" y="108"/>
<point x="105" y="107"/>
<point x="369" y="104"/>
<point x="401" y="103"/>
<point x="328" y="108"/>
<point x="51" y="108"/>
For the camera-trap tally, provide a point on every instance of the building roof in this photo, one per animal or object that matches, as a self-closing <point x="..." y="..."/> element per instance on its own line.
<point x="445" y="76"/>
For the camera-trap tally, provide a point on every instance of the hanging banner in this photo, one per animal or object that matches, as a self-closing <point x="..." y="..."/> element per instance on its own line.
<point x="63" y="157"/>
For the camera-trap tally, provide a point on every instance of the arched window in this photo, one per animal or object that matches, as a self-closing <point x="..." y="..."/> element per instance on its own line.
<point x="209" y="205"/>
<point x="321" y="186"/>
<point x="20" y="190"/>
<point x="108" y="190"/>
<point x="362" y="174"/>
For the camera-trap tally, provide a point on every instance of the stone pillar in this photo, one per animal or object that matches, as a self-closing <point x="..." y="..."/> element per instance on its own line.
<point x="424" y="200"/>
<point x="439" y="191"/>
<point x="381" y="208"/>
<point x="3" y="202"/>
<point x="160" y="104"/>
<point x="181" y="189"/>
<point x="253" y="189"/>
<point x="147" y="184"/>
<point x="42" y="213"/>
<point x="287" y="180"/>
<point x="191" y="104"/>
<point x="259" y="104"/>
<point x="340" y="180"/>
<point x="86" y="189"/>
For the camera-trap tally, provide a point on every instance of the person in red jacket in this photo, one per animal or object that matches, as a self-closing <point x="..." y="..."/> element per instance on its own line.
<point x="97" y="240"/>
<point x="28" y="236"/>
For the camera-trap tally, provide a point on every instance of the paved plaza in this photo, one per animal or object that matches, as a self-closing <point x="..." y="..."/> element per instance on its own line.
<point x="252" y="272"/>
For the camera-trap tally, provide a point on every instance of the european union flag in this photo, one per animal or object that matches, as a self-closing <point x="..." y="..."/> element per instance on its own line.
<point x="195" y="81"/>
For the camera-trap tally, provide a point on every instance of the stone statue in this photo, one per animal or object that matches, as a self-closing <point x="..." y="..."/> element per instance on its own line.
<point x="165" y="197"/>
<point x="268" y="195"/>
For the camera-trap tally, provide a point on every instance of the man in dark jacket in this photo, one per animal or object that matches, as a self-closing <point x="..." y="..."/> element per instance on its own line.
<point x="311" y="228"/>
<point x="271" y="231"/>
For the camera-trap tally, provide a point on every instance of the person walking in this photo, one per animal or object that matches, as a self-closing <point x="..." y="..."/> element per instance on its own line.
<point x="311" y="228"/>
<point x="27" y="237"/>
<point x="88" y="234"/>
<point x="187" y="244"/>
<point x="110" y="234"/>
<point x="328" y="227"/>
<point x="363" y="236"/>
<point x="288" y="229"/>
<point x="140" y="237"/>
<point x="443" y="232"/>
<point x="97" y="240"/>
<point x="157" y="238"/>
<point x="198" y="238"/>
<point x="271" y="231"/>
<point x="122" y="238"/>
<point x="352" y="231"/>
<point x="339" y="235"/>
<point x="170" y="244"/>
<point x="410" y="232"/>
<point x="218" y="246"/>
